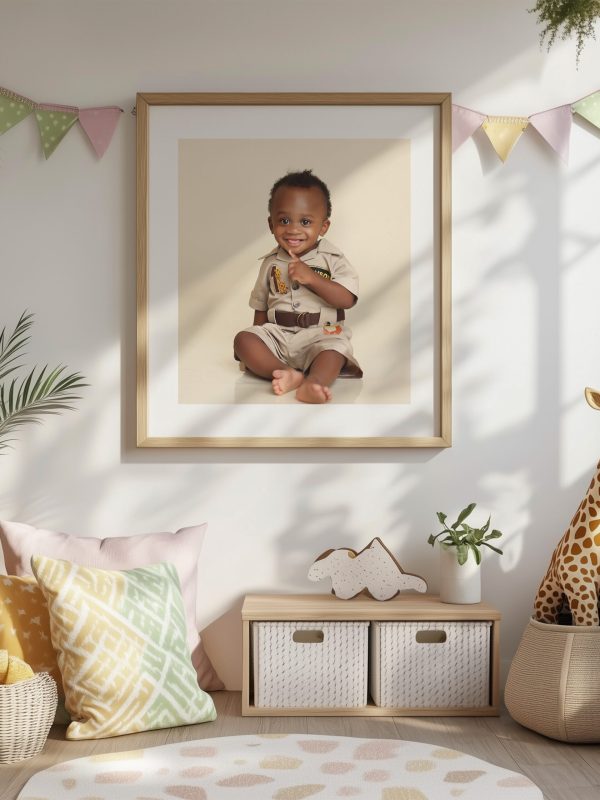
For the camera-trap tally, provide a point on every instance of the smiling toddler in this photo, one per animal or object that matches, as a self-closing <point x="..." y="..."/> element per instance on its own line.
<point x="299" y="339"/>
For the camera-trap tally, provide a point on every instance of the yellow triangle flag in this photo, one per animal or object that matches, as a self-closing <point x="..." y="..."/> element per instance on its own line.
<point x="504" y="133"/>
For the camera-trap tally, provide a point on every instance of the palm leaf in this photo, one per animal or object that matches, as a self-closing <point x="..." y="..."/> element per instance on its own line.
<point x="39" y="394"/>
<point x="11" y="348"/>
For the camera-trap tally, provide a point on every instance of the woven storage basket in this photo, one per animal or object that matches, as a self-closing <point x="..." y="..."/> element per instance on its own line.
<point x="553" y="685"/>
<point x="27" y="711"/>
<point x="310" y="664"/>
<point x="430" y="664"/>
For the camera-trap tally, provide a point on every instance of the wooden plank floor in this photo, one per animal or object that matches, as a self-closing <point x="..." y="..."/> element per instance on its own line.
<point x="563" y="772"/>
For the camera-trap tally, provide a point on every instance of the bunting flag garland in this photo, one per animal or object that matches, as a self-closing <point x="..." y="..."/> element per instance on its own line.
<point x="464" y="124"/>
<point x="555" y="127"/>
<point x="55" y="121"/>
<point x="589" y="108"/>
<point x="99" y="123"/>
<point x="13" y="109"/>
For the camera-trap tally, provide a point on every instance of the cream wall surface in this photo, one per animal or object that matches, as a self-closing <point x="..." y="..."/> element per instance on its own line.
<point x="525" y="293"/>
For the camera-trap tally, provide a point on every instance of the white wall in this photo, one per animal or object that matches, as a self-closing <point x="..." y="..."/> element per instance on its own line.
<point x="525" y="275"/>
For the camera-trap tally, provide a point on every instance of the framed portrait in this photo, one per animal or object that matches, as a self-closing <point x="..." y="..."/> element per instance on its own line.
<point x="206" y="164"/>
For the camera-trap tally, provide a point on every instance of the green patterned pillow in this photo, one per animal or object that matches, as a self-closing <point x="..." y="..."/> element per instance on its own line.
<point x="120" y="639"/>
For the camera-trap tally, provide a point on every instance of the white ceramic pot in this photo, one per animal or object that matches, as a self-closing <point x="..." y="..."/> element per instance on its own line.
<point x="459" y="583"/>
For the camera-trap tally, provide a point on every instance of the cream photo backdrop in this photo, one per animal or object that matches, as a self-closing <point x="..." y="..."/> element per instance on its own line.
<point x="224" y="187"/>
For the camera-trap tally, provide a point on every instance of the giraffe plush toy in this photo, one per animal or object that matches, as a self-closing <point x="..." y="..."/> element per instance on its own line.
<point x="574" y="571"/>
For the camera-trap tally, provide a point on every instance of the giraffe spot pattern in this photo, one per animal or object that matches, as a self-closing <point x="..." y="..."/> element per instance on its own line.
<point x="186" y="792"/>
<point x="196" y="772"/>
<point x="444" y="752"/>
<point x="280" y="762"/>
<point x="515" y="781"/>
<point x="336" y="767"/>
<point x="377" y="749"/>
<point x="463" y="776"/>
<point x="376" y="775"/>
<point x="420" y="765"/>
<point x="299" y="792"/>
<point x="318" y="746"/>
<point x="245" y="779"/>
<point x="574" y="565"/>
<point x="119" y="777"/>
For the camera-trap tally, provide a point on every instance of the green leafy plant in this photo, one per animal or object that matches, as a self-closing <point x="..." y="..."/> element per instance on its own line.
<point x="42" y="391"/>
<point x="464" y="537"/>
<point x="567" y="18"/>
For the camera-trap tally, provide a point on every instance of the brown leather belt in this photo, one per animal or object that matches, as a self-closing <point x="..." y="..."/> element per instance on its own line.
<point x="305" y="319"/>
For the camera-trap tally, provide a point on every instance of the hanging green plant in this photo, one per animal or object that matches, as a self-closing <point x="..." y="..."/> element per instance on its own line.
<point x="42" y="391"/>
<point x="566" y="18"/>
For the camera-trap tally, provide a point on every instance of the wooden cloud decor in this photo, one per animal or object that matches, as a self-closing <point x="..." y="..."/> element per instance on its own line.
<point x="373" y="570"/>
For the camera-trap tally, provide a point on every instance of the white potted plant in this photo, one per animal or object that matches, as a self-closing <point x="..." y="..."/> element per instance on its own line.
<point x="460" y="556"/>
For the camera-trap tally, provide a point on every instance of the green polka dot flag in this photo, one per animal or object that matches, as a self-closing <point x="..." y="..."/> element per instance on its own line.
<point x="54" y="124"/>
<point x="589" y="108"/>
<point x="13" y="109"/>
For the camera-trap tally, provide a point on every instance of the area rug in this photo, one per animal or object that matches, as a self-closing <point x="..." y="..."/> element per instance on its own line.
<point x="281" y="767"/>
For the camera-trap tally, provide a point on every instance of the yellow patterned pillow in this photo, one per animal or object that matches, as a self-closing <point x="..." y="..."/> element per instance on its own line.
<point x="120" y="639"/>
<point x="25" y="625"/>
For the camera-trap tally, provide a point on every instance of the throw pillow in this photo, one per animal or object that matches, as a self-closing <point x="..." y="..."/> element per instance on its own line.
<point x="25" y="625"/>
<point x="19" y="542"/>
<point x="120" y="639"/>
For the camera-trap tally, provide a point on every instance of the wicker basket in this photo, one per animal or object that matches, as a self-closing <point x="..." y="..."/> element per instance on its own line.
<point x="430" y="664"/>
<point x="553" y="686"/>
<point x="27" y="711"/>
<point x="310" y="664"/>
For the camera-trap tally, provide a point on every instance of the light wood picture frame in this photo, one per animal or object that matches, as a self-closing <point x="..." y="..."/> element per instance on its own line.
<point x="205" y="165"/>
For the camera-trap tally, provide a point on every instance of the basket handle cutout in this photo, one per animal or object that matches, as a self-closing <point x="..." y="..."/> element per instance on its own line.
<point x="308" y="637"/>
<point x="431" y="637"/>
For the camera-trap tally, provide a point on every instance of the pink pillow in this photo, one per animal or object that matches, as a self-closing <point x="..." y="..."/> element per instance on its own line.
<point x="182" y="549"/>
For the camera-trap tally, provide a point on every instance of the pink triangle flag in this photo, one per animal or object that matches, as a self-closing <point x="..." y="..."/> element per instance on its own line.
<point x="464" y="124"/>
<point x="99" y="125"/>
<point x="555" y="127"/>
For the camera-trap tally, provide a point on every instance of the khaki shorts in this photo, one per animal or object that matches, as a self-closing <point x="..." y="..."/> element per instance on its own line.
<point x="298" y="347"/>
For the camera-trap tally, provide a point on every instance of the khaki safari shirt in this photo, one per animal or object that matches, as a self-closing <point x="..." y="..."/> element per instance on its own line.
<point x="273" y="290"/>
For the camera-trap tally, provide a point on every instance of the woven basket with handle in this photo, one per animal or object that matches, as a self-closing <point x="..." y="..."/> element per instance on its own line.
<point x="27" y="711"/>
<point x="553" y="686"/>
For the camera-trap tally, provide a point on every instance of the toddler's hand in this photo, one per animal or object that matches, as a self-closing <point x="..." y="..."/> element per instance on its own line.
<point x="298" y="271"/>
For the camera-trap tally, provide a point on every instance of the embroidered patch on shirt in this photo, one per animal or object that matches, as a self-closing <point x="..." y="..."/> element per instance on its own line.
<point x="279" y="286"/>
<point x="330" y="330"/>
<point x="324" y="273"/>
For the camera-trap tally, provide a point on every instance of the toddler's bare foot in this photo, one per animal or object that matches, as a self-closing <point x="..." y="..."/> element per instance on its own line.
<point x="285" y="380"/>
<point x="312" y="392"/>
